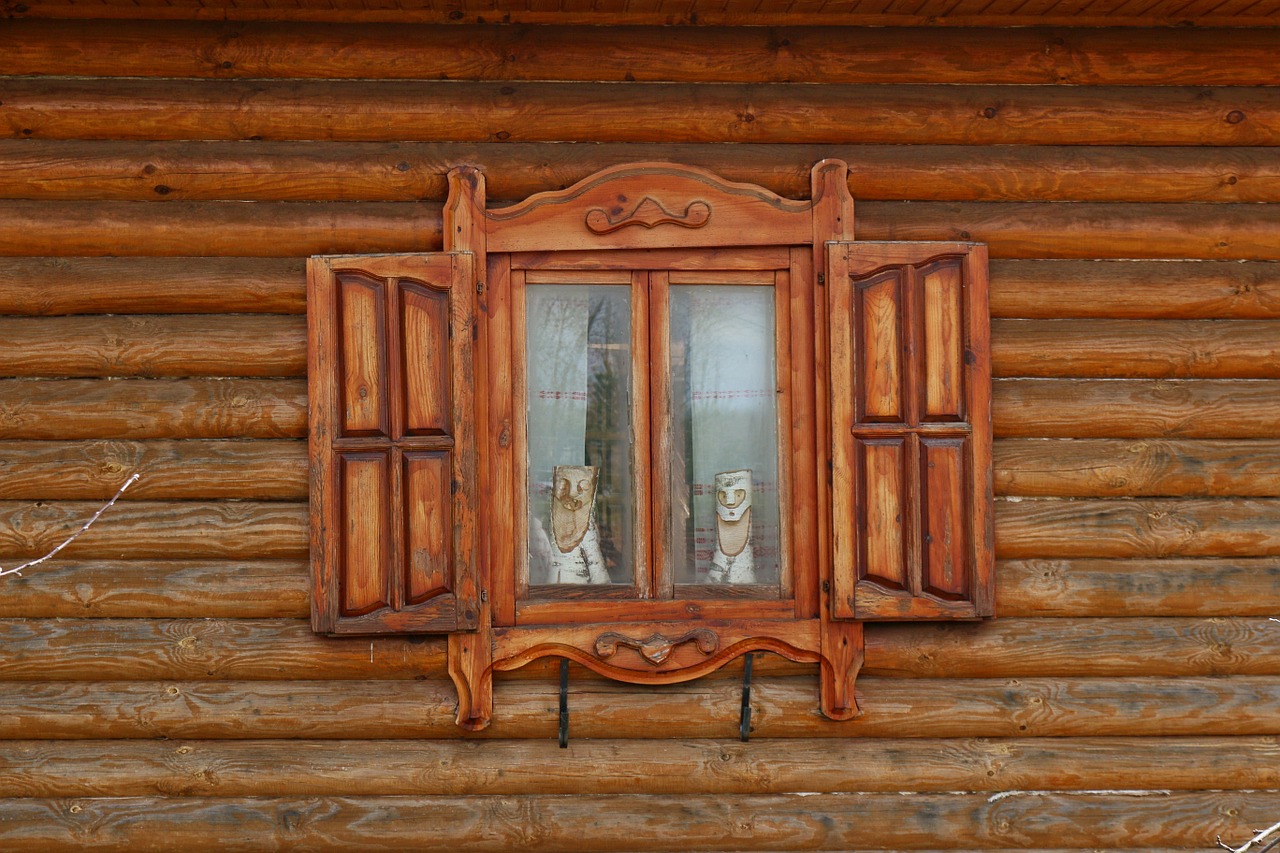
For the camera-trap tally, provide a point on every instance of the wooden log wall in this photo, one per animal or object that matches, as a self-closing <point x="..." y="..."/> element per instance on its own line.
<point x="160" y="186"/>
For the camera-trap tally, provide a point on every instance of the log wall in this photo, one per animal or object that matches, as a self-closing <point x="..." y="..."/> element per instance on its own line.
<point x="161" y="184"/>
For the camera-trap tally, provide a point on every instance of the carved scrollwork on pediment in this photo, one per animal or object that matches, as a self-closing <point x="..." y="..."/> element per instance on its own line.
<point x="648" y="214"/>
<point x="656" y="648"/>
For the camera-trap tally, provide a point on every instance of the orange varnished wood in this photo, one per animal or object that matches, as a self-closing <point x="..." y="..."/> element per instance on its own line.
<point x="115" y="170"/>
<point x="921" y="491"/>
<point x="394" y="545"/>
<point x="427" y="366"/>
<point x="366" y="532"/>
<point x="455" y="111"/>
<point x="651" y="224"/>
<point x="754" y="13"/>
<point x="697" y="209"/>
<point x="216" y="49"/>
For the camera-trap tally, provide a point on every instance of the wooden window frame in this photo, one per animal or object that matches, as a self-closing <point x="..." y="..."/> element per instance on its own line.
<point x="651" y="225"/>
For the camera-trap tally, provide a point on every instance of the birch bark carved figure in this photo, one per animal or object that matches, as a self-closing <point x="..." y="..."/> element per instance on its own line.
<point x="732" y="561"/>
<point x="575" y="539"/>
<point x="627" y="368"/>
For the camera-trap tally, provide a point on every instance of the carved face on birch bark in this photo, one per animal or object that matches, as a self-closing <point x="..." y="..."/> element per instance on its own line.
<point x="733" y="494"/>
<point x="733" y="511"/>
<point x="573" y="497"/>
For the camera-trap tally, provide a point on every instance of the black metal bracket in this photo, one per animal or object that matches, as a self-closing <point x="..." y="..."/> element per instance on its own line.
<point x="564" y="703"/>
<point x="744" y="721"/>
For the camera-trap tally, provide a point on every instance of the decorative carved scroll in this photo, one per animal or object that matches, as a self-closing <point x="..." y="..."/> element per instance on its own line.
<point x="649" y="214"/>
<point x="656" y="648"/>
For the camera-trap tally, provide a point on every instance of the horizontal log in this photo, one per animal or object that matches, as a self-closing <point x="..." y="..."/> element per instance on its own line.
<point x="1012" y="230"/>
<point x="208" y="768"/>
<point x="1150" y="527"/>
<point x="149" y="345"/>
<point x="193" y="649"/>
<point x="58" y="285"/>
<point x="155" y="530"/>
<point x="527" y="708"/>
<point x="211" y="589"/>
<point x="1032" y="527"/>
<point x="200" y="470"/>
<point x="1119" y="349"/>
<point x="1136" y="408"/>
<point x="1163" y="13"/>
<point x="152" y="408"/>
<point x="1135" y="289"/>
<point x="1144" y="587"/>
<point x="692" y="55"/>
<point x="648" y="822"/>
<point x="109" y="170"/>
<point x="287" y="229"/>
<point x="277" y="470"/>
<point x="1085" y="230"/>
<point x="278" y="650"/>
<point x="1040" y="648"/>
<point x="1135" y="468"/>
<point x="279" y="589"/>
<point x="1019" y="288"/>
<point x="451" y="111"/>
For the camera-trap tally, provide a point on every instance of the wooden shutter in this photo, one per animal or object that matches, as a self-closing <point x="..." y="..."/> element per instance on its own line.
<point x="393" y="469"/>
<point x="911" y="431"/>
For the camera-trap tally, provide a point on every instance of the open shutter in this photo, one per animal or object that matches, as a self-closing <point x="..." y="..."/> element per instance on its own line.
<point x="911" y="431"/>
<point x="393" y="469"/>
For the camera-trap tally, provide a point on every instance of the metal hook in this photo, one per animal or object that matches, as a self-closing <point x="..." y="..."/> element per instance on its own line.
<point x="564" y="703"/>
<point x="744" y="722"/>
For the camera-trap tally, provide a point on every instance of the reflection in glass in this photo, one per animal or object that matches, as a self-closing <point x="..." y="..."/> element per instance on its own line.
<point x="579" y="421"/>
<point x="724" y="467"/>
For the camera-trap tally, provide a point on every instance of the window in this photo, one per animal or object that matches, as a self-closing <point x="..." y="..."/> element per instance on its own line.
<point x="650" y="423"/>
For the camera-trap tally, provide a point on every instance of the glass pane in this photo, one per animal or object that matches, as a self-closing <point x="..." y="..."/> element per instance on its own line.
<point x="581" y="505"/>
<point x="724" y="470"/>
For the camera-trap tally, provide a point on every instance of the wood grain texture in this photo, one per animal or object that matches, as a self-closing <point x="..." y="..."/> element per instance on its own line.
<point x="1136" y="408"/>
<point x="1135" y="289"/>
<point x="1155" y="349"/>
<point x="637" y="112"/>
<point x="649" y="822"/>
<point x="149" y="345"/>
<point x="1248" y="586"/>
<point x="1012" y="230"/>
<point x="209" y="768"/>
<point x="111" y="170"/>
<point x="783" y="55"/>
<point x="1137" y="468"/>
<point x="196" y="469"/>
<point x="61" y="285"/>
<point x="156" y="530"/>
<point x="152" y="408"/>
<point x="286" y="229"/>
<point x="1085" y="230"/>
<point x="279" y="588"/>
<point x="284" y="650"/>
<point x="1039" y="648"/>
<point x="187" y="649"/>
<point x="526" y="708"/>
<point x="946" y="13"/>
<point x="1208" y="527"/>
<point x="145" y="589"/>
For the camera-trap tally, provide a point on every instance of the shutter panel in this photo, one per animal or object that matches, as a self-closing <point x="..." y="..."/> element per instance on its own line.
<point x="911" y="431"/>
<point x="392" y="413"/>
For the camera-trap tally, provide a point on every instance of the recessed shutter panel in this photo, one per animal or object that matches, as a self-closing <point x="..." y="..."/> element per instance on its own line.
<point x="911" y="431"/>
<point x="393" y="493"/>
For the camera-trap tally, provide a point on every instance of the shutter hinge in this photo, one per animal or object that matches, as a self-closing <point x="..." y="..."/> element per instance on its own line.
<point x="822" y="278"/>
<point x="479" y="288"/>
